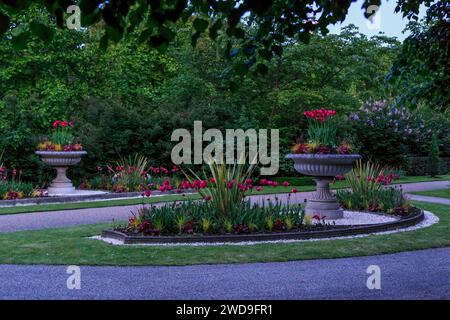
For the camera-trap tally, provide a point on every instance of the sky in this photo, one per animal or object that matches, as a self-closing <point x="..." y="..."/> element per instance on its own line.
<point x="392" y="24"/>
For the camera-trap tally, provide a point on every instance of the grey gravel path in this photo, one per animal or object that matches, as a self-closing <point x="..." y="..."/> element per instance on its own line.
<point x="408" y="275"/>
<point x="54" y="219"/>
<point x="429" y="199"/>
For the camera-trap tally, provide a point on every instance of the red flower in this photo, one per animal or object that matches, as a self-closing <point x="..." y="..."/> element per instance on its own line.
<point x="258" y="188"/>
<point x="275" y="183"/>
<point x="263" y="182"/>
<point x="320" y="115"/>
<point x="202" y="184"/>
<point x="285" y="184"/>
<point x="294" y="190"/>
<point x="212" y="180"/>
<point x="64" y="124"/>
<point x="56" y="123"/>
<point x="147" y="193"/>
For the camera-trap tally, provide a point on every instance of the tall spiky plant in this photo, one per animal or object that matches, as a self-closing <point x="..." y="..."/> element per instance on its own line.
<point x="361" y="178"/>
<point x="132" y="175"/>
<point x="224" y="191"/>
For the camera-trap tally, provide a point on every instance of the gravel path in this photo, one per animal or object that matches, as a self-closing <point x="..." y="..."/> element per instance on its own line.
<point x="408" y="275"/>
<point x="429" y="199"/>
<point x="54" y="219"/>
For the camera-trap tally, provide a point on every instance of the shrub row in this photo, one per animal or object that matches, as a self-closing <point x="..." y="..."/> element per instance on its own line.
<point x="419" y="166"/>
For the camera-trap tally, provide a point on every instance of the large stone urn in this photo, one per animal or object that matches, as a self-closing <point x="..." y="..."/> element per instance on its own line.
<point x="61" y="160"/>
<point x="324" y="168"/>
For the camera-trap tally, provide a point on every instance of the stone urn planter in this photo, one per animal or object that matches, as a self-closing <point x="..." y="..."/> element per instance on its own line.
<point x="324" y="168"/>
<point x="61" y="160"/>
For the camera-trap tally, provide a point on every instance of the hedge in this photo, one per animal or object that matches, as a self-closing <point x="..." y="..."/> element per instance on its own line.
<point x="418" y="166"/>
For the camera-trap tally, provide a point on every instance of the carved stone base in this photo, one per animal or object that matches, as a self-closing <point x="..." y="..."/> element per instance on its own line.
<point x="323" y="202"/>
<point x="61" y="184"/>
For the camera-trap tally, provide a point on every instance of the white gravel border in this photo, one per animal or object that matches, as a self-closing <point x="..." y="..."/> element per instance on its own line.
<point x="429" y="220"/>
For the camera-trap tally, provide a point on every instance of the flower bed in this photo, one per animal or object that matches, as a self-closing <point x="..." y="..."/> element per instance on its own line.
<point x="314" y="231"/>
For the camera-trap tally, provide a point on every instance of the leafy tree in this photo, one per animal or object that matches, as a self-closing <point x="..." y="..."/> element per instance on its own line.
<point x="269" y="24"/>
<point x="422" y="69"/>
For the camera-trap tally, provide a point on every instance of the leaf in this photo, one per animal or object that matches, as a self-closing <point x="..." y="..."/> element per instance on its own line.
<point x="200" y="25"/>
<point x="103" y="45"/>
<point x="20" y="41"/>
<point x="259" y="6"/>
<point x="42" y="31"/>
<point x="214" y="29"/>
<point x="262" y="69"/>
<point x="4" y="23"/>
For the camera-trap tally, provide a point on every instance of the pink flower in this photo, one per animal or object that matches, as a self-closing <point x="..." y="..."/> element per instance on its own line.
<point x="286" y="184"/>
<point x="212" y="180"/>
<point x="275" y="183"/>
<point x="202" y="184"/>
<point x="162" y="188"/>
<point x="294" y="190"/>
<point x="248" y="181"/>
<point x="263" y="182"/>
<point x="258" y="188"/>
<point x="56" y="123"/>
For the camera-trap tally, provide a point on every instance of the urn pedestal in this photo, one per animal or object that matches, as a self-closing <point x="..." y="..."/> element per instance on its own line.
<point x="323" y="167"/>
<point x="61" y="160"/>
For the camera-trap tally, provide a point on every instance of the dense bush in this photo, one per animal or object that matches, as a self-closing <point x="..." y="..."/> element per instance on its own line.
<point x="389" y="134"/>
<point x="419" y="166"/>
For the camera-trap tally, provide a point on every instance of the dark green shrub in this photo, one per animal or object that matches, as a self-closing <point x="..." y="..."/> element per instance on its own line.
<point x="433" y="157"/>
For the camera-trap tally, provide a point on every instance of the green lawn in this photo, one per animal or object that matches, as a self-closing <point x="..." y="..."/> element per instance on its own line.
<point x="71" y="246"/>
<point x="443" y="193"/>
<point x="126" y="202"/>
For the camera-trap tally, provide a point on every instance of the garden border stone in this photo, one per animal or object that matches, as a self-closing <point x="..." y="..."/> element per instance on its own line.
<point x="349" y="231"/>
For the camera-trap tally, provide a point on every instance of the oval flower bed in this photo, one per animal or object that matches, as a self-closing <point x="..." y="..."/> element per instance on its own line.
<point x="199" y="221"/>
<point x="317" y="228"/>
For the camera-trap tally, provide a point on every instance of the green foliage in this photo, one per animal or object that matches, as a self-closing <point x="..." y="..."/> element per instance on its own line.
<point x="228" y="186"/>
<point x="383" y="200"/>
<point x="251" y="32"/>
<point x="388" y="134"/>
<point x="322" y="133"/>
<point x="367" y="191"/>
<point x="361" y="178"/>
<point x="433" y="157"/>
<point x="202" y="217"/>
<point x="421" y="68"/>
<point x="131" y="173"/>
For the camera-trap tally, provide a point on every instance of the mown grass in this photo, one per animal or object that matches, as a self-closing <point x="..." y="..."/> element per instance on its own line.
<point x="72" y="246"/>
<point x="127" y="202"/>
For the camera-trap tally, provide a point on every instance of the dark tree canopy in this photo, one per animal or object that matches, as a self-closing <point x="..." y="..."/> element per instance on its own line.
<point x="253" y="31"/>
